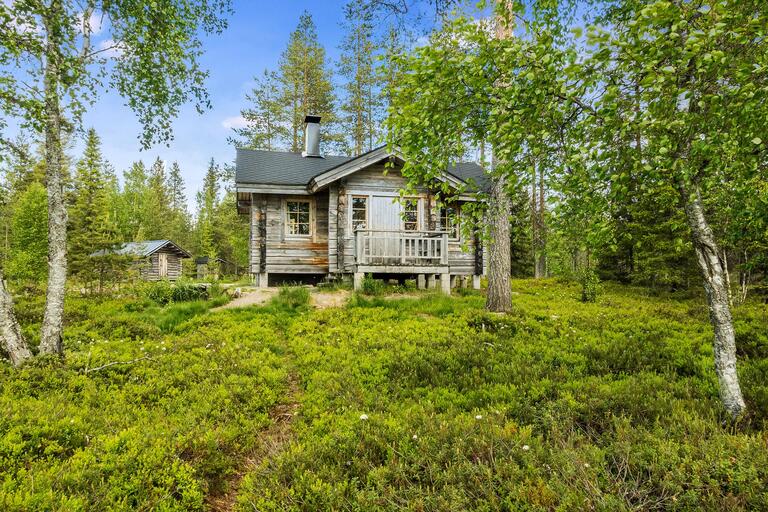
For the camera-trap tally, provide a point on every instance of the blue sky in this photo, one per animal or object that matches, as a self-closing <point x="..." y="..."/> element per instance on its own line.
<point x="257" y="34"/>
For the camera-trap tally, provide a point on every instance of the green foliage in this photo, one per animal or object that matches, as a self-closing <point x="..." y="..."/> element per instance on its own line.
<point x="590" y="284"/>
<point x="28" y="255"/>
<point x="371" y="286"/>
<point x="465" y="409"/>
<point x="163" y="292"/>
<point x="539" y="410"/>
<point x="160" y="292"/>
<point x="161" y="432"/>
<point x="291" y="298"/>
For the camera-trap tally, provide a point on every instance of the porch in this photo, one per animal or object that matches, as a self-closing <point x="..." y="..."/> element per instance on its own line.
<point x="422" y="254"/>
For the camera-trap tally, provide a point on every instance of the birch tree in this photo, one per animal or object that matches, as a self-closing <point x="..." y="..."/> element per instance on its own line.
<point x="52" y="68"/>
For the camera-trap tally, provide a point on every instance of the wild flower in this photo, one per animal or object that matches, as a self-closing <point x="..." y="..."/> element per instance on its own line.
<point x="526" y="447"/>
<point x="479" y="417"/>
<point x="364" y="417"/>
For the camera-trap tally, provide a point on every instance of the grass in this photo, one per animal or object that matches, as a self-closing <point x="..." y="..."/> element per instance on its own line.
<point x="423" y="403"/>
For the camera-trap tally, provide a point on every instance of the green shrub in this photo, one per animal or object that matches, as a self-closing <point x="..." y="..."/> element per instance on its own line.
<point x="160" y="292"/>
<point x="590" y="284"/>
<point x="371" y="286"/>
<point x="291" y="297"/>
<point x="184" y="290"/>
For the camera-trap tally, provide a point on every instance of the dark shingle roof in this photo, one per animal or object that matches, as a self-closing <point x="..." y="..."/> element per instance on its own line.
<point x="143" y="249"/>
<point x="255" y="166"/>
<point x="281" y="167"/>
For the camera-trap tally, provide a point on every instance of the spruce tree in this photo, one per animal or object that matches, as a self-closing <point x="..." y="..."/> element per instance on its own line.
<point x="207" y="200"/>
<point x="134" y="196"/>
<point x="91" y="225"/>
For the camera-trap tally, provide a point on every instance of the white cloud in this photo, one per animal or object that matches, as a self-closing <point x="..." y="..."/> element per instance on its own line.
<point x="110" y="49"/>
<point x="95" y="22"/>
<point x="234" y="122"/>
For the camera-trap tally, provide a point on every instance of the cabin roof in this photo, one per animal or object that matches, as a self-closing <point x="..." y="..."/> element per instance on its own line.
<point x="284" y="168"/>
<point x="144" y="248"/>
<point x="281" y="167"/>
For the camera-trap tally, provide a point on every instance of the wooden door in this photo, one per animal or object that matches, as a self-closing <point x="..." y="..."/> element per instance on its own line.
<point x="162" y="263"/>
<point x="385" y="216"/>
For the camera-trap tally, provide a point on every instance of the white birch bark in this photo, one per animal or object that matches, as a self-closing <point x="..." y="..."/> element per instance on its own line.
<point x="716" y="288"/>
<point x="51" y="330"/>
<point x="14" y="341"/>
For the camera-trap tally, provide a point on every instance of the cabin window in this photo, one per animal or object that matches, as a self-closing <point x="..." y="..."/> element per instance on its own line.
<point x="411" y="215"/>
<point x="449" y="221"/>
<point x="298" y="220"/>
<point x="359" y="212"/>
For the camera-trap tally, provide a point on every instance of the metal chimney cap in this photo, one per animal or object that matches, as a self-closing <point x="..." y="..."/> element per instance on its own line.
<point x="312" y="119"/>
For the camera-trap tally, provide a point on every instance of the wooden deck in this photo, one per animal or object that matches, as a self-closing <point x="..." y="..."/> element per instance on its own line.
<point x="393" y="251"/>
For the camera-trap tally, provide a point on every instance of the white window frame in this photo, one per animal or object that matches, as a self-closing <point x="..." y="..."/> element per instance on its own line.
<point x="418" y="214"/>
<point x="286" y="218"/>
<point x="456" y="221"/>
<point x="352" y="198"/>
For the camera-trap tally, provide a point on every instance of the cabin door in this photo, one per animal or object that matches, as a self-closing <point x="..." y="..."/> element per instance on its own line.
<point x="162" y="263"/>
<point x="385" y="213"/>
<point x="386" y="221"/>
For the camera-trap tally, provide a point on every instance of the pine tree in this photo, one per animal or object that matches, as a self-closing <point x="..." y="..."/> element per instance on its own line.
<point x="266" y="117"/>
<point x="362" y="107"/>
<point x="306" y="84"/>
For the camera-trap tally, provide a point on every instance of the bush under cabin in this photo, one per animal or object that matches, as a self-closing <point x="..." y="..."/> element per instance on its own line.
<point x="338" y="216"/>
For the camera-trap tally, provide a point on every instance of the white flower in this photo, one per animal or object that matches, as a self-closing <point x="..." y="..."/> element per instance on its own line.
<point x="364" y="417"/>
<point x="415" y="437"/>
<point x="526" y="447"/>
<point x="586" y="464"/>
<point x="478" y="417"/>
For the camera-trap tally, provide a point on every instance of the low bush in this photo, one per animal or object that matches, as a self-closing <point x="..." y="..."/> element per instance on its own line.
<point x="372" y="287"/>
<point x="590" y="284"/>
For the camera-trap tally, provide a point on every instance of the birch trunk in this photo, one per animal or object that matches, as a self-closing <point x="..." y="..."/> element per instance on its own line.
<point x="51" y="330"/>
<point x="715" y="286"/>
<point x="15" y="344"/>
<point x="499" y="297"/>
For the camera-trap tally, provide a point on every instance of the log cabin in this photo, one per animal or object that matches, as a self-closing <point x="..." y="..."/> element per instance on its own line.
<point x="154" y="259"/>
<point x="314" y="215"/>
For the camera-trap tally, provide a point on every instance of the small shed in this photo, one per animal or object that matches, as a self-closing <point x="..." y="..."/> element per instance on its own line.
<point x="156" y="259"/>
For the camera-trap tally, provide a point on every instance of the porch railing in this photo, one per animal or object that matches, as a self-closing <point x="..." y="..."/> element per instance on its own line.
<point x="385" y="247"/>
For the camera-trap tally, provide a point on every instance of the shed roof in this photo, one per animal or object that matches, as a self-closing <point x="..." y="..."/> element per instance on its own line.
<point x="260" y="167"/>
<point x="144" y="248"/>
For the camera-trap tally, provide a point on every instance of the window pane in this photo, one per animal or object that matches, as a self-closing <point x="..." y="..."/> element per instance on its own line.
<point x="411" y="214"/>
<point x="298" y="217"/>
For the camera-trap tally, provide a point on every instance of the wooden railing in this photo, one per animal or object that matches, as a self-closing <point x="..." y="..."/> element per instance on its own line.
<point x="389" y="247"/>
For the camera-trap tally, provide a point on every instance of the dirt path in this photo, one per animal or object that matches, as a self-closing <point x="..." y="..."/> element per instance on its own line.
<point x="334" y="299"/>
<point x="250" y="297"/>
<point x="272" y="441"/>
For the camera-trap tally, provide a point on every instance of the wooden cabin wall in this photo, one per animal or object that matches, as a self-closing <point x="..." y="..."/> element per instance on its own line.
<point x="461" y="258"/>
<point x="273" y="250"/>
<point x="150" y="267"/>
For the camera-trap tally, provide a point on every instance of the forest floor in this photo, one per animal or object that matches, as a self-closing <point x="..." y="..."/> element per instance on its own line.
<point x="314" y="400"/>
